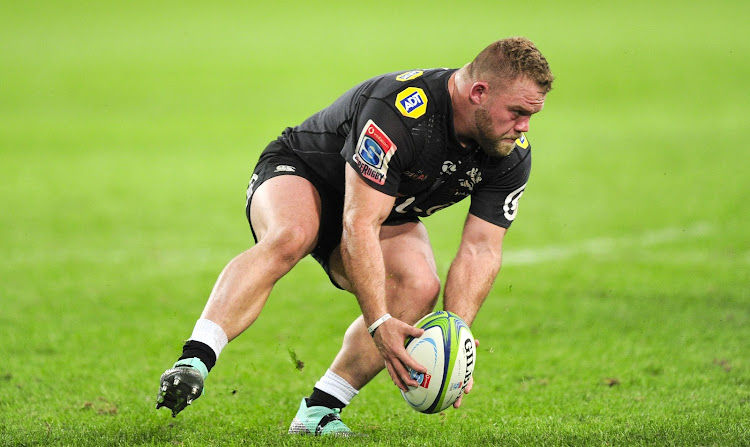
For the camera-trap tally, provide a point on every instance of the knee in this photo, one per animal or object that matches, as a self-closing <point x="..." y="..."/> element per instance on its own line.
<point x="288" y="244"/>
<point x="421" y="292"/>
<point x="430" y="287"/>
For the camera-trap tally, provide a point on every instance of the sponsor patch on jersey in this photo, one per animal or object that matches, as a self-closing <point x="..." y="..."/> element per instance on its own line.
<point x="409" y="75"/>
<point x="522" y="142"/>
<point x="412" y="102"/>
<point x="374" y="151"/>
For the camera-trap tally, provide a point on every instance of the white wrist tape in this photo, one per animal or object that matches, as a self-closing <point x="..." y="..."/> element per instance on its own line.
<point x="377" y="324"/>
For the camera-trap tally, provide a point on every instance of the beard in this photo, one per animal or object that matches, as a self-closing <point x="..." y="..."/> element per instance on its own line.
<point x="492" y="144"/>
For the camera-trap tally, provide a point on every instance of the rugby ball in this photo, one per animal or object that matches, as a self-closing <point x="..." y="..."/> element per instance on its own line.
<point x="448" y="352"/>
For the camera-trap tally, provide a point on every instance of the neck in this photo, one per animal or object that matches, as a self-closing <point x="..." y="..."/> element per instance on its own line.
<point x="461" y="108"/>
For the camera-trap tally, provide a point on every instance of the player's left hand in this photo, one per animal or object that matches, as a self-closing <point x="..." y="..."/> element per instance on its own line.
<point x="469" y="386"/>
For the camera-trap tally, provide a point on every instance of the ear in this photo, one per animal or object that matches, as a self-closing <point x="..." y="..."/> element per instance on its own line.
<point x="478" y="92"/>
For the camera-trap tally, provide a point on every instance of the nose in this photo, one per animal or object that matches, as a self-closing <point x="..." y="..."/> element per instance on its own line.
<point x="522" y="124"/>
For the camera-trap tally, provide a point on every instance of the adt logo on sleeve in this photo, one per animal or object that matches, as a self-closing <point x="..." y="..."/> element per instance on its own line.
<point x="412" y="102"/>
<point x="374" y="151"/>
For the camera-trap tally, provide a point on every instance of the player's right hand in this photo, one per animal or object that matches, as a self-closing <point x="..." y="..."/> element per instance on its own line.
<point x="389" y="338"/>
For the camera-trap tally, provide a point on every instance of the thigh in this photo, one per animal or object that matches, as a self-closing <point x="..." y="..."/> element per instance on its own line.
<point x="286" y="198"/>
<point x="281" y="197"/>
<point x="282" y="203"/>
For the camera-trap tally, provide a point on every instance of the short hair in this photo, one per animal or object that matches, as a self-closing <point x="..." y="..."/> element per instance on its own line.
<point x="509" y="59"/>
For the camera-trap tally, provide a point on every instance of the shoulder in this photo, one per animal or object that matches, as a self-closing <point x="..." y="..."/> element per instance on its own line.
<point x="413" y="94"/>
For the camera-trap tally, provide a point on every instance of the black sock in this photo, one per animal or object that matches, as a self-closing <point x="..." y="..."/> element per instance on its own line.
<point x="204" y="352"/>
<point x="320" y="398"/>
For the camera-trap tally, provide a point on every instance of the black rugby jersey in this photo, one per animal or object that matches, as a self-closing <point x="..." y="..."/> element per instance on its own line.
<point x="396" y="131"/>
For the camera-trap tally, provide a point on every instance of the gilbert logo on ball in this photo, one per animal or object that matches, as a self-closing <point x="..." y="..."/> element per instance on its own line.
<point x="447" y="350"/>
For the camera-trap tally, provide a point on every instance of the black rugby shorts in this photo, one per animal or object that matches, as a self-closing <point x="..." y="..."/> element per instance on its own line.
<point x="277" y="159"/>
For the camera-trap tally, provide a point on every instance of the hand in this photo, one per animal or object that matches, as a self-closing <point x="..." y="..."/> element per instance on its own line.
<point x="389" y="338"/>
<point x="469" y="385"/>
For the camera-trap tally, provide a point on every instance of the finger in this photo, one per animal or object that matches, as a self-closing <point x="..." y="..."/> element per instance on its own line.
<point x="395" y="377"/>
<point x="415" y="331"/>
<point x="405" y="376"/>
<point x="400" y="374"/>
<point x="467" y="390"/>
<point x="405" y="357"/>
<point x="409" y="362"/>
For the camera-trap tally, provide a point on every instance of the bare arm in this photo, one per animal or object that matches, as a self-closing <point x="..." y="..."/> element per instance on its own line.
<point x="472" y="273"/>
<point x="474" y="269"/>
<point x="365" y="209"/>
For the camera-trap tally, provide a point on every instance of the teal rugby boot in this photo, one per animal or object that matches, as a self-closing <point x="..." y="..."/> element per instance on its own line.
<point x="318" y="421"/>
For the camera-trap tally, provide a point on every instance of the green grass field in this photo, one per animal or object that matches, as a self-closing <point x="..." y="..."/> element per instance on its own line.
<point x="128" y="131"/>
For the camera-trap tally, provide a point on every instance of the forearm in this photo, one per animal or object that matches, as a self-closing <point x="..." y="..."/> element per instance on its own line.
<point x="363" y="260"/>
<point x="469" y="281"/>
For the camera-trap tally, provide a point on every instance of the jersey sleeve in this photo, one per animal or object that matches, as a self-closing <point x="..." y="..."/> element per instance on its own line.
<point x="496" y="201"/>
<point x="379" y="146"/>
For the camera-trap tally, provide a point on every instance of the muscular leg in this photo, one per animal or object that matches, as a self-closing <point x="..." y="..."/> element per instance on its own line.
<point x="412" y="289"/>
<point x="285" y="213"/>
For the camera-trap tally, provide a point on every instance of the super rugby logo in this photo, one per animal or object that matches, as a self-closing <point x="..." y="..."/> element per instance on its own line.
<point x="371" y="152"/>
<point x="510" y="207"/>
<point x="412" y="102"/>
<point x="374" y="150"/>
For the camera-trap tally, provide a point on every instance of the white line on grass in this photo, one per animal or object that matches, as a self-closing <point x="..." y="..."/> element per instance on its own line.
<point x="605" y="245"/>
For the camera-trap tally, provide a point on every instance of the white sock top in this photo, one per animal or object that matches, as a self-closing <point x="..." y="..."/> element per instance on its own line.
<point x="210" y="333"/>
<point x="337" y="387"/>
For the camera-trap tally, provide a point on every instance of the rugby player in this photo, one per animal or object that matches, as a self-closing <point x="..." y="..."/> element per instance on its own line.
<point x="349" y="186"/>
